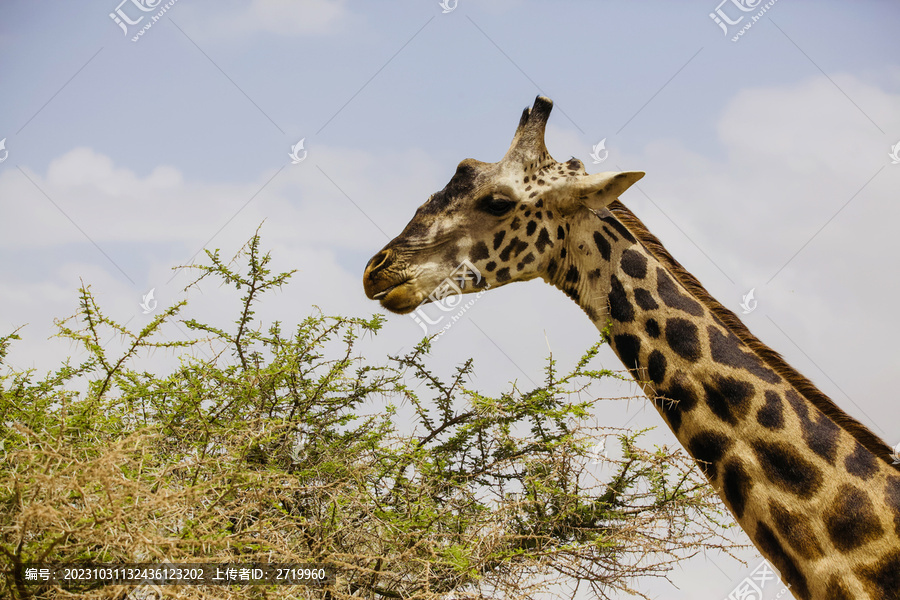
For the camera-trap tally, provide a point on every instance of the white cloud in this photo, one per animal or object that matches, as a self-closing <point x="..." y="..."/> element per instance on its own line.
<point x="149" y="224"/>
<point x="114" y="204"/>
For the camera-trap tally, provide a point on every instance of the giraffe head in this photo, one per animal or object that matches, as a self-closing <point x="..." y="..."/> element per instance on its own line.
<point x="501" y="217"/>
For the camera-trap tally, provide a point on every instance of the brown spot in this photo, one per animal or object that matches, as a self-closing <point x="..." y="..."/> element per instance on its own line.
<point x="672" y="297"/>
<point x="543" y="240"/>
<point x="797" y="529"/>
<point x="520" y="247"/>
<point x="728" y="398"/>
<point x="851" y="520"/>
<point x="620" y="308"/>
<point x="736" y="484"/>
<point x="882" y="578"/>
<point x="633" y="263"/>
<point x="504" y="254"/>
<point x="861" y="462"/>
<point x="678" y="399"/>
<point x="708" y="447"/>
<point x="617" y="225"/>
<point x="819" y="432"/>
<point x="771" y="415"/>
<point x="681" y="335"/>
<point x="729" y="350"/>
<point x="602" y="245"/>
<point x="480" y="251"/>
<point x="786" y="467"/>
<point x="837" y="589"/>
<point x="628" y="347"/>
<point x="645" y="299"/>
<point x="656" y="367"/>
<point x="772" y="549"/>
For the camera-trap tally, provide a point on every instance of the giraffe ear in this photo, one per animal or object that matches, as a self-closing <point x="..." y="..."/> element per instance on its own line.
<point x="593" y="191"/>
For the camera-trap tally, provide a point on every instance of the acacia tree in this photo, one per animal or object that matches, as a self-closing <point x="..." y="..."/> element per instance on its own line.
<point x="260" y="453"/>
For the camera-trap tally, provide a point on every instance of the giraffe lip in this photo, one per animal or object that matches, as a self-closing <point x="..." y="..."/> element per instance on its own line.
<point x="383" y="293"/>
<point x="399" y="298"/>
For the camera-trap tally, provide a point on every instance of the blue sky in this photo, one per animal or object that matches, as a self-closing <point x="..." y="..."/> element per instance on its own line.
<point x="767" y="165"/>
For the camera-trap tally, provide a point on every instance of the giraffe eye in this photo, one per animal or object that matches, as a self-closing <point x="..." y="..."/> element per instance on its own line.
<point x="496" y="205"/>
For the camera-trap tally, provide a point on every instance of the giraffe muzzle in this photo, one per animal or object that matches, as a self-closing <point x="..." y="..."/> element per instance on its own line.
<point x="377" y="281"/>
<point x="385" y="282"/>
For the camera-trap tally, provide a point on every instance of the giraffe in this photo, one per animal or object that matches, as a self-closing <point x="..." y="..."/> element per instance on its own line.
<point x="813" y="488"/>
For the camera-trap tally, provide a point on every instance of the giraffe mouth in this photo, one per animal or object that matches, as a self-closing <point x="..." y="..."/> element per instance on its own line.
<point x="400" y="298"/>
<point x="384" y="293"/>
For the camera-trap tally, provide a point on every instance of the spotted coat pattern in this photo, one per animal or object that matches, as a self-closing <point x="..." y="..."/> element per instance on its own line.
<point x="818" y="504"/>
<point x="813" y="491"/>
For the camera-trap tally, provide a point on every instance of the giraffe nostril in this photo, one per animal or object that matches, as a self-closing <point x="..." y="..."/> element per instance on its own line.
<point x="379" y="261"/>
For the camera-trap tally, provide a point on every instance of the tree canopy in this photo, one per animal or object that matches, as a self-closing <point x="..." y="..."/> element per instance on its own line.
<point x="261" y="452"/>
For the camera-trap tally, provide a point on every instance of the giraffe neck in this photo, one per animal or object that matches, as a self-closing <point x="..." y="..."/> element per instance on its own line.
<point x="813" y="492"/>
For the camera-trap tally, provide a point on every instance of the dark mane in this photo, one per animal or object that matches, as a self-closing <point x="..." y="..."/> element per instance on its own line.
<point x="772" y="359"/>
